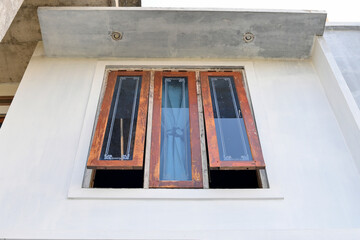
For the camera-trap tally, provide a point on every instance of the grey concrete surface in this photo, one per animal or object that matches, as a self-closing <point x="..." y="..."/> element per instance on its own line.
<point x="14" y="59"/>
<point x="344" y="45"/>
<point x="20" y="39"/>
<point x="180" y="33"/>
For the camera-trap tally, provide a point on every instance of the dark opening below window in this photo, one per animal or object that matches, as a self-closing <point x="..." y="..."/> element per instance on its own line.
<point x="119" y="179"/>
<point x="233" y="179"/>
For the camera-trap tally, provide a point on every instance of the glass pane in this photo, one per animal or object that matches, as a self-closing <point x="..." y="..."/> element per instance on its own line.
<point x="175" y="155"/>
<point x="230" y="128"/>
<point x="119" y="137"/>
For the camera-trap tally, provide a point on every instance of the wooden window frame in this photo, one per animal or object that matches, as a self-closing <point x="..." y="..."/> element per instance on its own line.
<point x="6" y="100"/>
<point x="137" y="161"/>
<point x="196" y="164"/>
<point x="212" y="142"/>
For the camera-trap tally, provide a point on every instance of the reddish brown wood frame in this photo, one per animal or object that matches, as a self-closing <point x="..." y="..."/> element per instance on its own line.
<point x="138" y="153"/>
<point x="213" y="149"/>
<point x="196" y="168"/>
<point x="6" y="100"/>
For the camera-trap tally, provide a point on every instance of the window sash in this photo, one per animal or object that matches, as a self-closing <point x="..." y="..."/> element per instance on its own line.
<point x="196" y="165"/>
<point x="137" y="160"/>
<point x="257" y="161"/>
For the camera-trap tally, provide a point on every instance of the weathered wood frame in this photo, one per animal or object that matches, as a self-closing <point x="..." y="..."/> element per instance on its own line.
<point x="6" y="100"/>
<point x="212" y="143"/>
<point x="196" y="165"/>
<point x="137" y="162"/>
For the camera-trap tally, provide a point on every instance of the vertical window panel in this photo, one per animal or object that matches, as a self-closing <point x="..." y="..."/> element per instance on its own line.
<point x="175" y="160"/>
<point x="119" y="138"/>
<point x="175" y="153"/>
<point x="230" y="127"/>
<point x="232" y="137"/>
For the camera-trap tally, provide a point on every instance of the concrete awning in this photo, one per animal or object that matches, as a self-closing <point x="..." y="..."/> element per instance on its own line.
<point x="179" y="33"/>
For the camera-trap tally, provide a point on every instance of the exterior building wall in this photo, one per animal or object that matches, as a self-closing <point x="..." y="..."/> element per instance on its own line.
<point x="339" y="95"/>
<point x="344" y="44"/>
<point x="308" y="162"/>
<point x="8" y="10"/>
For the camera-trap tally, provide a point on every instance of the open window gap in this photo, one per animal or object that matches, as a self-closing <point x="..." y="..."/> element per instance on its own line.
<point x="233" y="179"/>
<point x="118" y="179"/>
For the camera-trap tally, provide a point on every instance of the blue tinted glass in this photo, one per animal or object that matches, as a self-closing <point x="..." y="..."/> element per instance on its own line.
<point x="121" y="126"/>
<point x="230" y="128"/>
<point x="175" y="154"/>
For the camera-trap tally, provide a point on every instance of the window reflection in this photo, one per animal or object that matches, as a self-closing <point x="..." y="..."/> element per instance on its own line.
<point x="175" y="155"/>
<point x="230" y="128"/>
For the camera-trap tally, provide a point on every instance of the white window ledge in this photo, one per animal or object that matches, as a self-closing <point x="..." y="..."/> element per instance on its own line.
<point x="206" y="194"/>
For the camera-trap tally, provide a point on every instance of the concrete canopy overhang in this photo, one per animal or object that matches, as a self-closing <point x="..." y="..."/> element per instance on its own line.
<point x="179" y="33"/>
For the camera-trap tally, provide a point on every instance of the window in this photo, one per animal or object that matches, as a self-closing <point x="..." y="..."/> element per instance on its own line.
<point x="119" y="138"/>
<point x="175" y="159"/>
<point x="175" y="141"/>
<point x="232" y="137"/>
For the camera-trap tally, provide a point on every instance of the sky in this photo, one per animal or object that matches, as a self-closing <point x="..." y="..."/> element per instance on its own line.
<point x="338" y="11"/>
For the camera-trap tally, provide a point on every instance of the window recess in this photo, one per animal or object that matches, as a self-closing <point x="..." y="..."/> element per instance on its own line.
<point x="176" y="155"/>
<point x="118" y="141"/>
<point x="232" y="138"/>
<point x="175" y="159"/>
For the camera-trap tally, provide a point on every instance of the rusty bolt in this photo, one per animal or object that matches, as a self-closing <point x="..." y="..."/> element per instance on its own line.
<point x="248" y="37"/>
<point x="116" y="36"/>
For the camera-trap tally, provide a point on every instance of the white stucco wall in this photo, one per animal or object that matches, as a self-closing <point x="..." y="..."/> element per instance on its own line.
<point x="339" y="95"/>
<point x="8" y="10"/>
<point x="344" y="45"/>
<point x="302" y="143"/>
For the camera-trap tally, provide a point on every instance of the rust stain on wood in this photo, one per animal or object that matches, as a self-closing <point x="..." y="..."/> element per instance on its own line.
<point x="196" y="167"/>
<point x="254" y="141"/>
<point x="156" y="133"/>
<point x="212" y="142"/>
<point x="138" y="153"/>
<point x="213" y="150"/>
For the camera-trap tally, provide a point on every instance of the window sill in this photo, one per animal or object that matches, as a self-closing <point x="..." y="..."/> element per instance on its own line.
<point x="175" y="194"/>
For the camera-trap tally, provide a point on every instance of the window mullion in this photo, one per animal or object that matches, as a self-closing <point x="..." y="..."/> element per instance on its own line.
<point x="204" y="156"/>
<point x="148" y="132"/>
